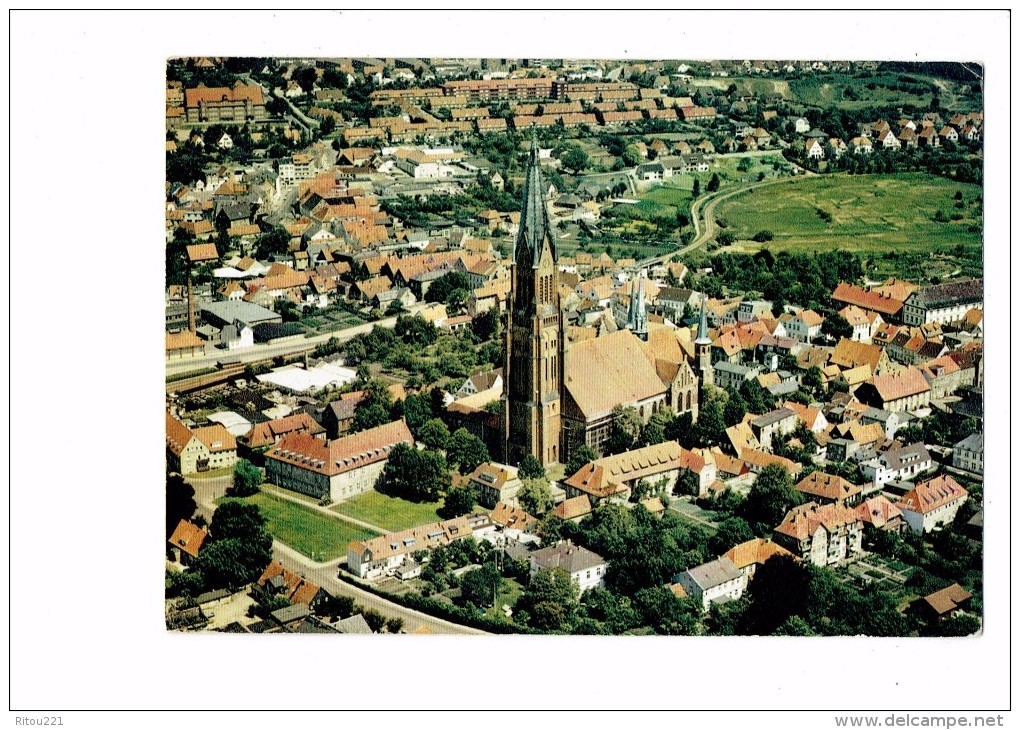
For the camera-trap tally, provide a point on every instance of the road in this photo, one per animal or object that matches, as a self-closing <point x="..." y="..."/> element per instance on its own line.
<point x="213" y="355"/>
<point x="207" y="491"/>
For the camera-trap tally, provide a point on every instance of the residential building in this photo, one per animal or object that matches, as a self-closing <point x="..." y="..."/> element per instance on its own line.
<point x="186" y="541"/>
<point x="716" y="582"/>
<point x="190" y="451"/>
<point x="864" y="322"/>
<point x="969" y="454"/>
<point x="385" y="554"/>
<point x="734" y="375"/>
<point x="618" y="475"/>
<point x="903" y="463"/>
<point x="942" y="604"/>
<point x="823" y="534"/>
<point x="881" y="514"/>
<point x="780" y="422"/>
<point x="337" y="469"/>
<point x="748" y="556"/>
<point x="267" y="434"/>
<point x="585" y="568"/>
<point x="829" y="489"/>
<point x="804" y="326"/>
<point x="943" y="303"/>
<point x="495" y="483"/>
<point x="240" y="103"/>
<point x="932" y="504"/>
<point x="277" y="580"/>
<point x="902" y="390"/>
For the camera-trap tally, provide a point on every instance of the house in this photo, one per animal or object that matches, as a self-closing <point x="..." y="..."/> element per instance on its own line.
<point x="618" y="474"/>
<point x="756" y="460"/>
<point x="337" y="469"/>
<point x="879" y="513"/>
<point x="277" y="580"/>
<point x="748" y="556"/>
<point x="573" y="509"/>
<point x="385" y="554"/>
<point x="943" y="303"/>
<point x="822" y="534"/>
<point x="267" y="434"/>
<point x="812" y="418"/>
<point x="779" y="422"/>
<point x="829" y="489"/>
<point x="190" y="451"/>
<point x="510" y="518"/>
<point x="813" y="149"/>
<point x="969" y="454"/>
<point x="849" y="354"/>
<point x="861" y="146"/>
<point x="864" y="322"/>
<point x="902" y="463"/>
<point x="715" y="582"/>
<point x="932" y="504"/>
<point x="495" y="483"/>
<point x="733" y="375"/>
<point x="585" y="568"/>
<point x="942" y="604"/>
<point x="873" y="301"/>
<point x="804" y="326"/>
<point x="187" y="541"/>
<point x="902" y="390"/>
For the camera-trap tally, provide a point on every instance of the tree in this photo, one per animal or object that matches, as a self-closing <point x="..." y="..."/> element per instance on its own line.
<point x="420" y="476"/>
<point x="771" y="497"/>
<point x="711" y="426"/>
<point x="417" y="411"/>
<point x="654" y="432"/>
<point x="466" y="451"/>
<point x="459" y="501"/>
<point x="837" y="328"/>
<point x="306" y="78"/>
<point x="271" y="243"/>
<point x="374" y="619"/>
<point x="435" y="434"/>
<point x="180" y="502"/>
<point x="480" y="586"/>
<point x="582" y="455"/>
<point x="550" y="599"/>
<point x="779" y="590"/>
<point x="575" y="159"/>
<point x="713" y="183"/>
<point x="666" y="613"/>
<point x="732" y="531"/>
<point x="696" y="189"/>
<point x="240" y="546"/>
<point x="415" y="331"/>
<point x="745" y="164"/>
<point x="535" y="496"/>
<point x="736" y="408"/>
<point x="441" y="289"/>
<point x="762" y="236"/>
<point x="247" y="479"/>
<point x="687" y="483"/>
<point x="530" y="468"/>
<point x="625" y="431"/>
<point x="394" y="625"/>
<point x="485" y="324"/>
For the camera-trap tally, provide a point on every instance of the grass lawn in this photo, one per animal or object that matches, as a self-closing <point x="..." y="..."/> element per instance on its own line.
<point x="675" y="193"/>
<point x="307" y="531"/>
<point x="392" y="513"/>
<point x="507" y="596"/>
<point x="870" y="214"/>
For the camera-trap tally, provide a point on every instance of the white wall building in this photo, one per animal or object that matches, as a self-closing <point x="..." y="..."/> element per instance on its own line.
<point x="717" y="581"/>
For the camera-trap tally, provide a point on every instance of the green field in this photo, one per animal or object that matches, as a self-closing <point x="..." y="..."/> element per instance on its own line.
<point x="306" y="530"/>
<point x="391" y="513"/>
<point x="675" y="193"/>
<point x="870" y="214"/>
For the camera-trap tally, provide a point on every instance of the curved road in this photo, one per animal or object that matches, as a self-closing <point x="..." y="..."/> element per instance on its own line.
<point x="207" y="491"/>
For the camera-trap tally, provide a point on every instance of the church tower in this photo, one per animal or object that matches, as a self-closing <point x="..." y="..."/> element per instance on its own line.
<point x="703" y="348"/>
<point x="533" y="365"/>
<point x="637" y="314"/>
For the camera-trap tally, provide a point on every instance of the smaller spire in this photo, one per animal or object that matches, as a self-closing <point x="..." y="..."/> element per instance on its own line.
<point x="703" y="338"/>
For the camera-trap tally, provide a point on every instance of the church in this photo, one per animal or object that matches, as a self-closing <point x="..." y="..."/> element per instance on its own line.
<point x="561" y="393"/>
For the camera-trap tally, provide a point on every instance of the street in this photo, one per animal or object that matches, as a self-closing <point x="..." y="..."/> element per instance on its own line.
<point x="207" y="491"/>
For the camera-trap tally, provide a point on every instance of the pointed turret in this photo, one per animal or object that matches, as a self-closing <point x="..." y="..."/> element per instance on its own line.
<point x="534" y="229"/>
<point x="640" y="327"/>
<point x="703" y="338"/>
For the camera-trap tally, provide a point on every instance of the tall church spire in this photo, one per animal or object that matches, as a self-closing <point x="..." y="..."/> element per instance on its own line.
<point x="533" y="368"/>
<point x="534" y="226"/>
<point x="703" y="324"/>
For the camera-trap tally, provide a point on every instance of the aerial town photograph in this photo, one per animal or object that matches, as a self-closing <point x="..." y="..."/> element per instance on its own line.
<point x="574" y="346"/>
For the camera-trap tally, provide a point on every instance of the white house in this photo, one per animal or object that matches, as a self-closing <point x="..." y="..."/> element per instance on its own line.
<point x="804" y="326"/>
<point x="225" y="142"/>
<point x="801" y="125"/>
<point x="813" y="148"/>
<point x="969" y="454"/>
<point x="823" y="534"/>
<point x="932" y="503"/>
<point x="237" y="335"/>
<point x="864" y="323"/>
<point x="901" y="464"/>
<point x="718" y="581"/>
<point x="586" y="569"/>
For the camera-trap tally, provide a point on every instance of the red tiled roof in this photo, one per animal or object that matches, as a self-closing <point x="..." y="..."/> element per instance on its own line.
<point x="932" y="494"/>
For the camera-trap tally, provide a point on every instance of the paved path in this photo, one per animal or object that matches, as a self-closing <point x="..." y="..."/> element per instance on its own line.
<point x="325" y="574"/>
